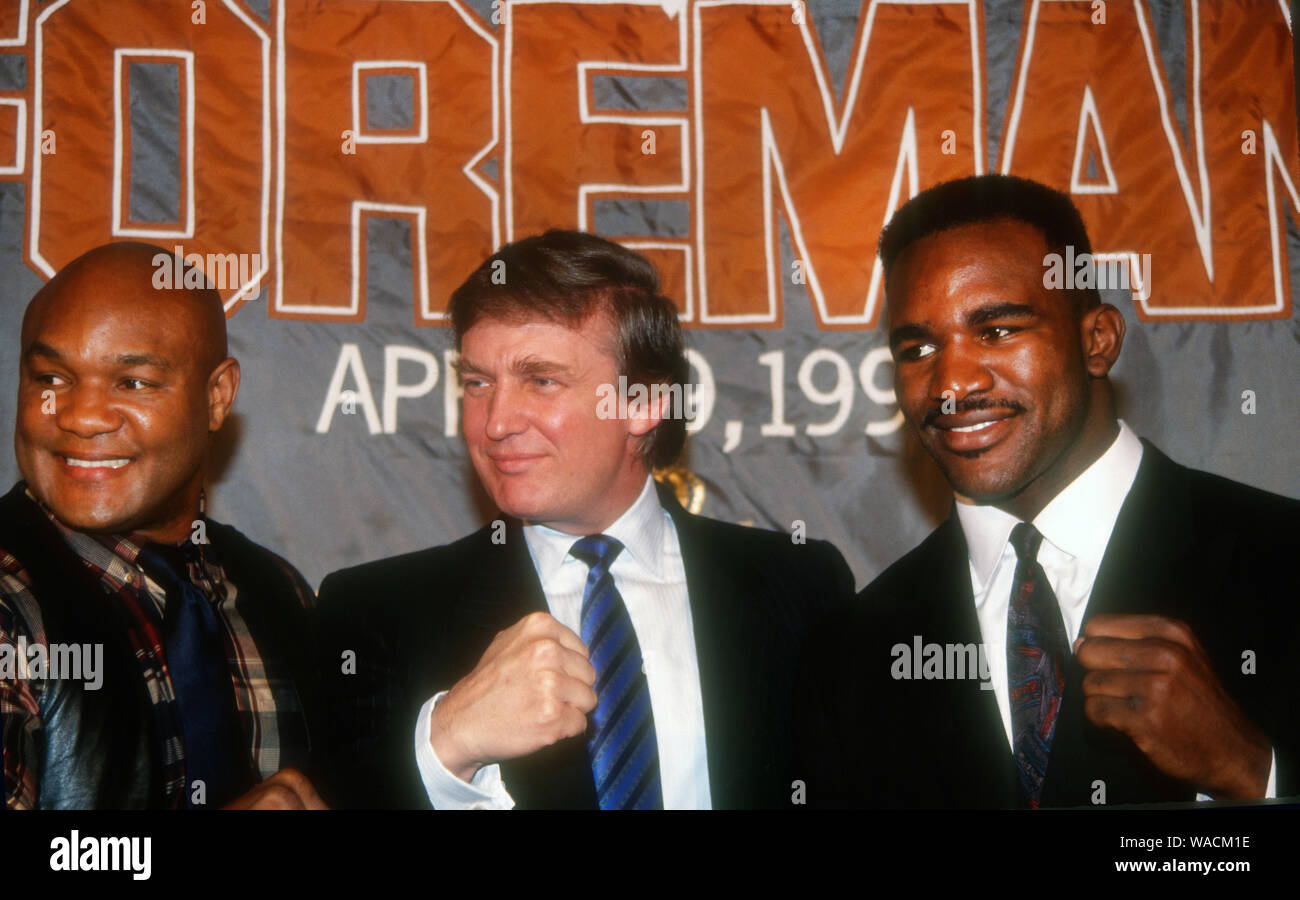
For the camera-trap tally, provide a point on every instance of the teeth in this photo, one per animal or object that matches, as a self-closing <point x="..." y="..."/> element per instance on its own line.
<point x="980" y="427"/>
<point x="96" y="463"/>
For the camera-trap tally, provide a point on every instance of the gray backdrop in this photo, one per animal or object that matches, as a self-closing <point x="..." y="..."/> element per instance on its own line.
<point x="335" y="499"/>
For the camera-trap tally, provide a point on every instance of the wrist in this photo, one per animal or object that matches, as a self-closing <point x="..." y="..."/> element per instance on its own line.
<point x="1246" y="777"/>
<point x="446" y="745"/>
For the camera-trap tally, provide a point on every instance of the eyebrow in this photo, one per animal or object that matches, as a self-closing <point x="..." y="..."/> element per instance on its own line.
<point x="39" y="348"/>
<point x="1000" y="311"/>
<point x="907" y="333"/>
<point x="528" y="365"/>
<point x="532" y="365"/>
<point x="142" y="359"/>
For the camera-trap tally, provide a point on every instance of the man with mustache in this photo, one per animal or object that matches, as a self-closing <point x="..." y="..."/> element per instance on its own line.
<point x="598" y="646"/>
<point x="205" y="692"/>
<point x="1137" y="617"/>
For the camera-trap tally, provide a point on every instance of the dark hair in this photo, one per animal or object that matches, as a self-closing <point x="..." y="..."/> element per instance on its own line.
<point x="566" y="276"/>
<point x="987" y="198"/>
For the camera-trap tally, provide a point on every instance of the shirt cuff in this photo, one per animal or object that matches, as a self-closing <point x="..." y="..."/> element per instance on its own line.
<point x="484" y="791"/>
<point x="1270" y="792"/>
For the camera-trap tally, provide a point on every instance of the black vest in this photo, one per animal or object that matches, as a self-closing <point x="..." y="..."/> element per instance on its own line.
<point x="98" y="748"/>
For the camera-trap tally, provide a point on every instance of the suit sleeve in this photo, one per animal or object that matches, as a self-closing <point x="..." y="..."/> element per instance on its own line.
<point x="368" y="745"/>
<point x="818" y="738"/>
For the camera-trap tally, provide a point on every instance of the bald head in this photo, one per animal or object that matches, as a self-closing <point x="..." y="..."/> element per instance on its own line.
<point x="123" y="379"/>
<point x="123" y="274"/>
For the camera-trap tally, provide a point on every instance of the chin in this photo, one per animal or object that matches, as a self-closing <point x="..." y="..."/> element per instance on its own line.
<point x="518" y="502"/>
<point x="983" y="487"/>
<point x="93" y="520"/>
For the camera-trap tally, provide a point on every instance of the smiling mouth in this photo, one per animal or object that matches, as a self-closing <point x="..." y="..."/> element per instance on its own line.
<point x="979" y="426"/>
<point x="78" y="463"/>
<point x="514" y="464"/>
<point x="971" y="439"/>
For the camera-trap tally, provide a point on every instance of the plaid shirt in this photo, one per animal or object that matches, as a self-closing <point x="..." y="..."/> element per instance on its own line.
<point x="269" y="709"/>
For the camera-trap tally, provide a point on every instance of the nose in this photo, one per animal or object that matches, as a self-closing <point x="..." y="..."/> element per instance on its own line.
<point x="960" y="370"/>
<point x="505" y="413"/>
<point x="84" y="410"/>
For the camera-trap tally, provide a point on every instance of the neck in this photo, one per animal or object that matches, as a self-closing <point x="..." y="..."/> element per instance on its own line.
<point x="1094" y="440"/>
<point x="621" y="497"/>
<point x="176" y="524"/>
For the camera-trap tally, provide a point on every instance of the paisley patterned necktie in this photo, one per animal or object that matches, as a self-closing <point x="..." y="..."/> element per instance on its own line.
<point x="1037" y="652"/>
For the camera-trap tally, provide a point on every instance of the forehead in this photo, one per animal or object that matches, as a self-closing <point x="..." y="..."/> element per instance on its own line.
<point x="496" y="340"/>
<point x="96" y="317"/>
<point x="969" y="265"/>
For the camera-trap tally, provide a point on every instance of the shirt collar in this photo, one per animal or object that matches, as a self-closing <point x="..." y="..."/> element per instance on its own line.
<point x="640" y="530"/>
<point x="100" y="549"/>
<point x="1077" y="521"/>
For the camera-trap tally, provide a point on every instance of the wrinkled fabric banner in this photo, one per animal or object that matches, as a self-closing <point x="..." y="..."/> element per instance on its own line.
<point x="338" y="167"/>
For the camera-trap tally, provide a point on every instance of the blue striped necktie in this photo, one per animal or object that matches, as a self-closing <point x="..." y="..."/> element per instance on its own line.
<point x="621" y="736"/>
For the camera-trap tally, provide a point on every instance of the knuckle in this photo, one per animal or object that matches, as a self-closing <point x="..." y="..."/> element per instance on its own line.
<point x="1168" y="657"/>
<point x="534" y="620"/>
<point x="278" y="796"/>
<point x="548" y="710"/>
<point x="545" y="650"/>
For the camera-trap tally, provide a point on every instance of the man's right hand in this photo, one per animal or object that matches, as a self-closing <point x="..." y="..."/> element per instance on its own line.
<point x="532" y="687"/>
<point x="286" y="789"/>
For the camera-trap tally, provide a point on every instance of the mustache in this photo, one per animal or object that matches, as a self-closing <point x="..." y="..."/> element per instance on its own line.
<point x="971" y="404"/>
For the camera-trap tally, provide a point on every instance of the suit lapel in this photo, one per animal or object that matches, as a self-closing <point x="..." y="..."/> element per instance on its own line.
<point x="982" y="773"/>
<point x="720" y="623"/>
<point x="503" y="587"/>
<point x="1144" y="570"/>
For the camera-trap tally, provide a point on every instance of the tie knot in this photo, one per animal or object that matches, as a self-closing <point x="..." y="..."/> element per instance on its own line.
<point x="597" y="550"/>
<point x="1025" y="540"/>
<point x="168" y="563"/>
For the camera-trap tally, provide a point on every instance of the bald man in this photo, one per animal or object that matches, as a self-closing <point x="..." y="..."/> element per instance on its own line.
<point x="150" y="657"/>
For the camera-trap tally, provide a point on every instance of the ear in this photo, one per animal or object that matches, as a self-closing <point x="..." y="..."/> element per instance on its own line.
<point x="1102" y="332"/>
<point x="223" y="385"/>
<point x="645" y="412"/>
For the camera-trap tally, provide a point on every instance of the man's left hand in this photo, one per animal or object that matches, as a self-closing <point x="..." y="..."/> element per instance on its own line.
<point x="1149" y="677"/>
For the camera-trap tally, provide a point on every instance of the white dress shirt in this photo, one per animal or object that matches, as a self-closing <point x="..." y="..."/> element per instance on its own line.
<point x="651" y="578"/>
<point x="1076" y="527"/>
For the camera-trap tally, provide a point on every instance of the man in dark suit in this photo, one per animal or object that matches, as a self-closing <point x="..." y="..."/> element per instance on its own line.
<point x="598" y="646"/>
<point x="1094" y="623"/>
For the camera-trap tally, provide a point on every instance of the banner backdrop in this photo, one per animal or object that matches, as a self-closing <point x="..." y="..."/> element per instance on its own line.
<point x="338" y="166"/>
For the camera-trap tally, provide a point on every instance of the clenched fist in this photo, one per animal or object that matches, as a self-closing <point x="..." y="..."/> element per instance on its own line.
<point x="532" y="687"/>
<point x="1148" y="677"/>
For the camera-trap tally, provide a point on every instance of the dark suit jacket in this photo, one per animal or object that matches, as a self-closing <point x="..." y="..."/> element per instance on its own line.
<point x="1188" y="545"/>
<point x="420" y="622"/>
